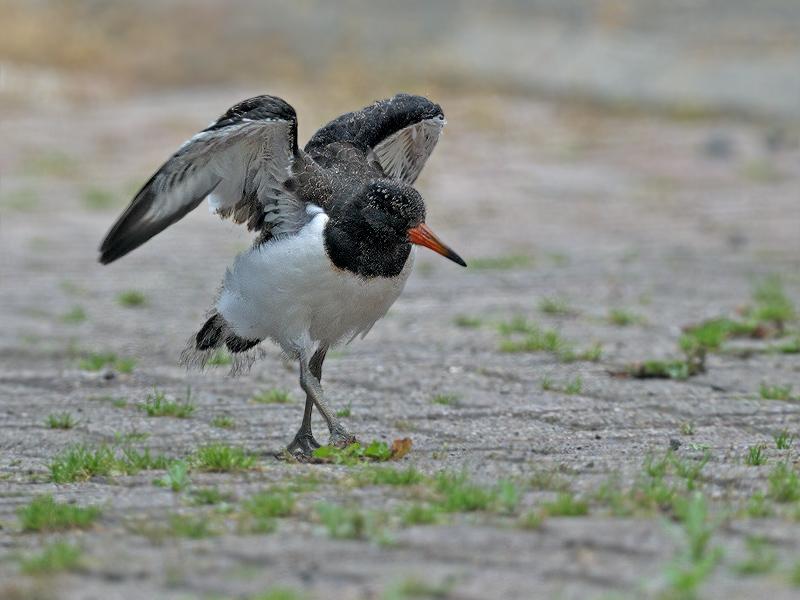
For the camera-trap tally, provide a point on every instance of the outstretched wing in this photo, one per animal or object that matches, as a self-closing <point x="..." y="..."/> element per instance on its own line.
<point x="402" y="132"/>
<point x="241" y="162"/>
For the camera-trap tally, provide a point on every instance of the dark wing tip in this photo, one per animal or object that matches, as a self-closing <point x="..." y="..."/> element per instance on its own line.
<point x="120" y="240"/>
<point x="128" y="232"/>
<point x="114" y="248"/>
<point x="106" y="257"/>
<point x="418" y="107"/>
<point x="133" y="229"/>
<point x="257" y="108"/>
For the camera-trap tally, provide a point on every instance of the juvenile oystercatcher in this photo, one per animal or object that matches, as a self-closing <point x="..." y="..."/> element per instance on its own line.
<point x="336" y="222"/>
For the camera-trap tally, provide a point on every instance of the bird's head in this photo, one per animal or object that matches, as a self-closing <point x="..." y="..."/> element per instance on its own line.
<point x="395" y="212"/>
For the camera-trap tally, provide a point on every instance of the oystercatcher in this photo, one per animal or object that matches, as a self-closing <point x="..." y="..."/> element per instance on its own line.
<point x="336" y="225"/>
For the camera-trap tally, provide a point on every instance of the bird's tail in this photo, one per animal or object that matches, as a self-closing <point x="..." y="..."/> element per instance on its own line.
<point x="212" y="336"/>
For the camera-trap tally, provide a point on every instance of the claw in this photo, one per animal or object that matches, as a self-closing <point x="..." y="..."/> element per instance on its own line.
<point x="341" y="438"/>
<point x="303" y="446"/>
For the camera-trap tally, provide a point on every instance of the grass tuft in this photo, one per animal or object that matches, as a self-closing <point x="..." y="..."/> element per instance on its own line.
<point x="95" y="361"/>
<point x="54" y="558"/>
<point x="157" y="405"/>
<point x="501" y="263"/>
<point x="532" y="520"/>
<point x="467" y="321"/>
<point x="223" y="422"/>
<point x="350" y="523"/>
<point x="459" y="494"/>
<point x="389" y="476"/>
<point x="573" y="387"/>
<point x="760" y="559"/>
<point x="44" y="514"/>
<point x="784" y="484"/>
<point x="445" y="399"/>
<point x="789" y="347"/>
<point x="209" y="497"/>
<point x="132" y="461"/>
<point x="79" y="463"/>
<point x="556" y="307"/>
<point x="131" y="299"/>
<point x="274" y="396"/>
<point x="523" y="336"/>
<point x="191" y="527"/>
<point x="622" y="317"/>
<point x="355" y="453"/>
<point x="566" y="505"/>
<point x="775" y="392"/>
<point x="709" y="335"/>
<point x="261" y="510"/>
<point x="415" y="588"/>
<point x="220" y="458"/>
<point x="677" y="369"/>
<point x="783" y="440"/>
<point x="755" y="456"/>
<point x="420" y="514"/>
<point x="697" y="559"/>
<point x="772" y="303"/>
<point x="131" y="436"/>
<point x="74" y="316"/>
<point x="758" y="506"/>
<point x="62" y="420"/>
<point x="176" y="478"/>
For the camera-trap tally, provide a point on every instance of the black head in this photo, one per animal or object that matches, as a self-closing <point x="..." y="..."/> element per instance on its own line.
<point x="390" y="209"/>
<point x="372" y="233"/>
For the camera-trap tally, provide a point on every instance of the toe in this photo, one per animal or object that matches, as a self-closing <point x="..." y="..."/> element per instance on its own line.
<point x="303" y="446"/>
<point x="341" y="439"/>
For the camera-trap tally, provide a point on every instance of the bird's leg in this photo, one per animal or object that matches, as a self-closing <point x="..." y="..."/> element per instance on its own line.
<point x="304" y="444"/>
<point x="313" y="388"/>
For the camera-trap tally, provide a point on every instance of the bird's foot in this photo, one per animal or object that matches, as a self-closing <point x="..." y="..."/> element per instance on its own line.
<point x="303" y="446"/>
<point x="341" y="438"/>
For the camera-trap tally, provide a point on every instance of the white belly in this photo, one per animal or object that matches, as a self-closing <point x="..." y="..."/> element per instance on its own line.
<point x="289" y="291"/>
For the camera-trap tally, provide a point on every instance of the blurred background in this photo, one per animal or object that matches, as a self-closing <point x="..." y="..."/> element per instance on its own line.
<point x="685" y="57"/>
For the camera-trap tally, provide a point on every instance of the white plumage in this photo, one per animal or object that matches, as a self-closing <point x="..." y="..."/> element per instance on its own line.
<point x="288" y="290"/>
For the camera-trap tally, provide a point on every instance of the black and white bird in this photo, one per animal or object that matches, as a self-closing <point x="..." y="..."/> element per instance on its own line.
<point x="336" y="225"/>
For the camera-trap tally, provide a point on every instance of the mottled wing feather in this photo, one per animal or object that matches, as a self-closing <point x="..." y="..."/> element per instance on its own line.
<point x="240" y="161"/>
<point x="403" y="154"/>
<point x="402" y="131"/>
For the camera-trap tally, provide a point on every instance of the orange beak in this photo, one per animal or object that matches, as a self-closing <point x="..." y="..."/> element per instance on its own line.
<point x="423" y="236"/>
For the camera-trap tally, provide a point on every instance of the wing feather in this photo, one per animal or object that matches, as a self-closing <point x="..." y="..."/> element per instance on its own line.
<point x="240" y="162"/>
<point x="402" y="131"/>
<point x="403" y="154"/>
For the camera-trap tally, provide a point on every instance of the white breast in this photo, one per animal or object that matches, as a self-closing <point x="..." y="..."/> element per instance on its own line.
<point x="289" y="291"/>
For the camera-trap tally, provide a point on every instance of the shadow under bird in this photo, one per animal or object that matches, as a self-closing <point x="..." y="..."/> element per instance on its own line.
<point x="337" y="222"/>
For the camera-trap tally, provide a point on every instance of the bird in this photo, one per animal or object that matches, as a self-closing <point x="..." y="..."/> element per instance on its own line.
<point x="336" y="227"/>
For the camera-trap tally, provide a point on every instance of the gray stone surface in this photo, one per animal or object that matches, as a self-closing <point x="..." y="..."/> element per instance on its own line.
<point x="612" y="212"/>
